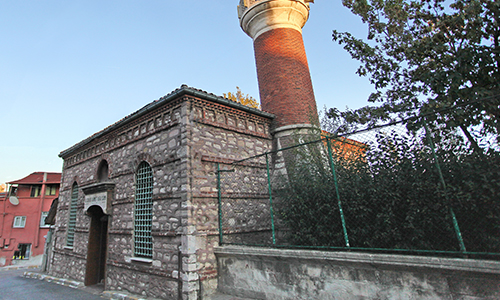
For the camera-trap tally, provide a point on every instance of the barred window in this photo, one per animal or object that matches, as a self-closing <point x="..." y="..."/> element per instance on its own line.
<point x="72" y="216"/>
<point x="143" y="211"/>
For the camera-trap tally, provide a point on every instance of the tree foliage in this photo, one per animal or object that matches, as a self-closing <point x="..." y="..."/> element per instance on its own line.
<point x="425" y="55"/>
<point x="241" y="98"/>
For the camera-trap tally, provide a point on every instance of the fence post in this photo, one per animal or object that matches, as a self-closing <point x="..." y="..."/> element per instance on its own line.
<point x="270" y="199"/>
<point x="219" y="196"/>
<point x="441" y="178"/>
<point x="332" y="166"/>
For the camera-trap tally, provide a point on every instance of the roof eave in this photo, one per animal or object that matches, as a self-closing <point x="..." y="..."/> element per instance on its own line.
<point x="184" y="90"/>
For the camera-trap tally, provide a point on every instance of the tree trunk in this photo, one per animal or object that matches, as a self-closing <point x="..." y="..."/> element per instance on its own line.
<point x="472" y="141"/>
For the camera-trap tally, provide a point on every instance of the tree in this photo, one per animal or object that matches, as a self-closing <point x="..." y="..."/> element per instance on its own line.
<point x="2" y="187"/>
<point x="239" y="97"/>
<point x="426" y="55"/>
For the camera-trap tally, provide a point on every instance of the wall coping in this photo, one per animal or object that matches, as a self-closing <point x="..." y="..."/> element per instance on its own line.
<point x="374" y="259"/>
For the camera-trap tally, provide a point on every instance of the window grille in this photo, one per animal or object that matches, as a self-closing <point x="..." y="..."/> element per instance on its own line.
<point x="143" y="212"/>
<point x="72" y="216"/>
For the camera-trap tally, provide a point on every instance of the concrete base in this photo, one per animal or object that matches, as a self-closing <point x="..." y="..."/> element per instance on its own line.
<point x="262" y="273"/>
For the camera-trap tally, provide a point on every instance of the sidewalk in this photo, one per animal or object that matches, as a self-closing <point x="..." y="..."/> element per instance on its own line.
<point x="15" y="267"/>
<point x="106" y="294"/>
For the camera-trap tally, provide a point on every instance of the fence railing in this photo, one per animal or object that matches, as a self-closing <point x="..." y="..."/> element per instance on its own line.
<point x="386" y="189"/>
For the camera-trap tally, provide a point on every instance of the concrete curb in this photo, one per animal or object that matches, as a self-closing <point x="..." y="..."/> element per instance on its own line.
<point x="60" y="281"/>
<point x="120" y="296"/>
<point x="8" y="268"/>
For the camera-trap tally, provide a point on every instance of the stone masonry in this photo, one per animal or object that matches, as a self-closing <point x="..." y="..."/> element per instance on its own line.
<point x="183" y="136"/>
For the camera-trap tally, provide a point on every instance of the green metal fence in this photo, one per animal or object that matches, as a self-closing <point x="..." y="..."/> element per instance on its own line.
<point x="384" y="189"/>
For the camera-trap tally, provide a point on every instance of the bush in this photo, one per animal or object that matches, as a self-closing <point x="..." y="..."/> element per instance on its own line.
<point x="391" y="195"/>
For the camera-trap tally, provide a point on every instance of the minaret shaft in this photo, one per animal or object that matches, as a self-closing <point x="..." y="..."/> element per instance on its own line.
<point x="284" y="80"/>
<point x="283" y="73"/>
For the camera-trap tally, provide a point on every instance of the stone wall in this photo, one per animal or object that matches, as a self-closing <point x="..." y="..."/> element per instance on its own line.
<point x="183" y="136"/>
<point x="219" y="135"/>
<point x="262" y="273"/>
<point x="160" y="139"/>
<point x="140" y="280"/>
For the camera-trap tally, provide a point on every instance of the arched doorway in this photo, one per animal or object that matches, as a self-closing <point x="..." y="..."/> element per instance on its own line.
<point x="97" y="246"/>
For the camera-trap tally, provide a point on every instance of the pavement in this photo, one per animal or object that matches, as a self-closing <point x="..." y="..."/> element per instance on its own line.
<point x="34" y="272"/>
<point x="14" y="286"/>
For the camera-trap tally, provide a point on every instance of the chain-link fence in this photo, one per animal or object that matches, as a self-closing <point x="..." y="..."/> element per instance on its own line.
<point x="387" y="189"/>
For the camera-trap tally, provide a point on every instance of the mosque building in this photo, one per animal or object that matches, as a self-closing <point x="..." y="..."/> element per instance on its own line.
<point x="138" y="200"/>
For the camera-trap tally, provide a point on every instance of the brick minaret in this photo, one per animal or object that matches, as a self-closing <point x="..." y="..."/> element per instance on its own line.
<point x="283" y="73"/>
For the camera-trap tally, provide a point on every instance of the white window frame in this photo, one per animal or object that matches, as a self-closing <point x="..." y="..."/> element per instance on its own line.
<point x="19" y="222"/>
<point x="42" y="219"/>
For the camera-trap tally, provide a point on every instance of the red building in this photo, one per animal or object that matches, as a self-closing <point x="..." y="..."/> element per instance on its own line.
<point x="23" y="209"/>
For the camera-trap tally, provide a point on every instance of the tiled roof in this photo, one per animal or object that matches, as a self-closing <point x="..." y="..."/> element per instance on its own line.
<point x="37" y="178"/>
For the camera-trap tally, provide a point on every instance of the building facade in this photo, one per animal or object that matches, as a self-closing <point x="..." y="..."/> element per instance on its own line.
<point x="138" y="205"/>
<point x="138" y="209"/>
<point x="23" y="209"/>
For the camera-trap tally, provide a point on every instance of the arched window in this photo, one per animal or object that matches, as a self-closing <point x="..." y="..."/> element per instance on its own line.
<point x="102" y="171"/>
<point x="143" y="211"/>
<point x="70" y="238"/>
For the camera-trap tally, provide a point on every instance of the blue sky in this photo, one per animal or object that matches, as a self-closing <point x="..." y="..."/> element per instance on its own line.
<point x="70" y="68"/>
